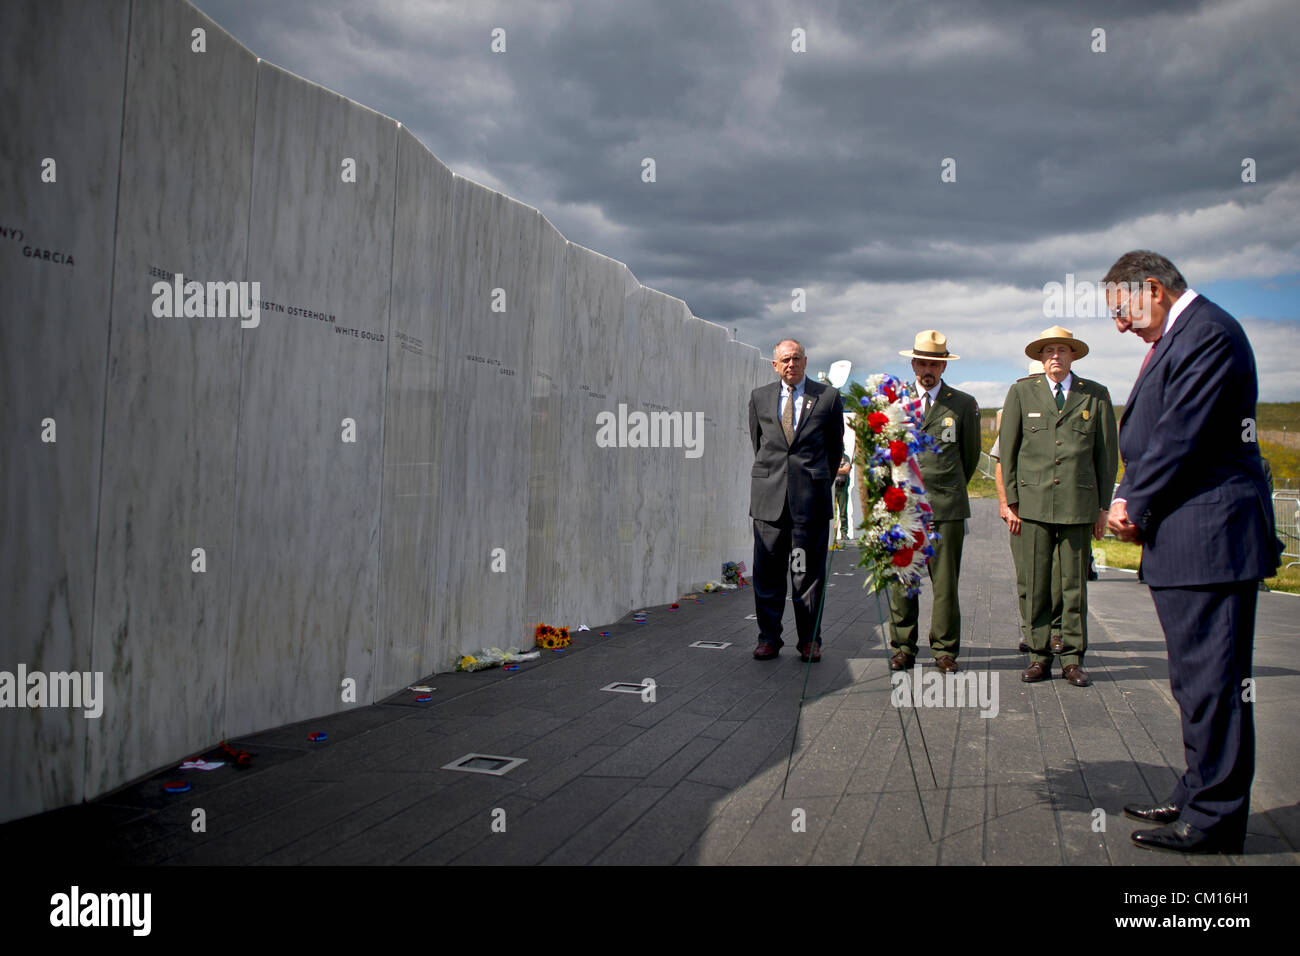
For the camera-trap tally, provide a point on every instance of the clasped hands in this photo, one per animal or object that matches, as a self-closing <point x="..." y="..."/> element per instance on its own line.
<point x="1119" y="524"/>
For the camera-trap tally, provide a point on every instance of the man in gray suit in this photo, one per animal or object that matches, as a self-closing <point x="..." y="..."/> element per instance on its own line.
<point x="797" y="427"/>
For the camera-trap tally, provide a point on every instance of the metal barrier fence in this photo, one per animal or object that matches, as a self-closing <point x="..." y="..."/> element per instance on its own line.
<point x="1286" y="512"/>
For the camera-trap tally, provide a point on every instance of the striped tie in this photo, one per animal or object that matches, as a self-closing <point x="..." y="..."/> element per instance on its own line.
<point x="787" y="418"/>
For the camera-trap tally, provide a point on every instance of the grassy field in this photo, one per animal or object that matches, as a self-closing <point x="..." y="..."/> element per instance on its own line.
<point x="1120" y="554"/>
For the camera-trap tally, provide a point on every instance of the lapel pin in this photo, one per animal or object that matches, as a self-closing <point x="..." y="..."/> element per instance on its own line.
<point x="1085" y="415"/>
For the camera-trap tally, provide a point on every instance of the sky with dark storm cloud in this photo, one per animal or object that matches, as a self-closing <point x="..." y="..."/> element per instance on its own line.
<point x="821" y="169"/>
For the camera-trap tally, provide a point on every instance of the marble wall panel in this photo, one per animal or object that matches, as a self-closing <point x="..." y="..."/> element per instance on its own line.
<point x="172" y="400"/>
<point x="715" y="461"/>
<point x="738" y="526"/>
<point x="307" y="509"/>
<point x="548" y="573"/>
<point x="413" y="503"/>
<point x="61" y="98"/>
<point x="649" y="469"/>
<point x="692" y="480"/>
<point x="485" y="403"/>
<point x="596" y="288"/>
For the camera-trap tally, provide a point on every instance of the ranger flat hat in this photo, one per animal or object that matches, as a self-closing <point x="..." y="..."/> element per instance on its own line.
<point x="1056" y="335"/>
<point x="931" y="345"/>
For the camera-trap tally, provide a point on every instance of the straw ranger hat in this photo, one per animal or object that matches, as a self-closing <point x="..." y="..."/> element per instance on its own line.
<point x="1056" y="335"/>
<point x="931" y="345"/>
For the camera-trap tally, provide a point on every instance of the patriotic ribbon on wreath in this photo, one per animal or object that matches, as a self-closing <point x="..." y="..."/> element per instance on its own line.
<point x="897" y="535"/>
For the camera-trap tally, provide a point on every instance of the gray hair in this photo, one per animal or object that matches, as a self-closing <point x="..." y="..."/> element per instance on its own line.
<point x="1132" y="268"/>
<point x="776" y="348"/>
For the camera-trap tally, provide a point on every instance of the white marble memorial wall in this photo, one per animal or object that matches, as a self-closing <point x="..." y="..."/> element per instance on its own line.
<point x="61" y="90"/>
<point x="586" y="542"/>
<point x="172" y="401"/>
<point x="484" y="403"/>
<point x="304" y="595"/>
<point x="414" y="508"/>
<point x="383" y="472"/>
<point x="548" y="483"/>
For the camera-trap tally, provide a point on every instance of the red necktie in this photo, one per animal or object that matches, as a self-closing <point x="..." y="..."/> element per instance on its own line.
<point x="1150" y="352"/>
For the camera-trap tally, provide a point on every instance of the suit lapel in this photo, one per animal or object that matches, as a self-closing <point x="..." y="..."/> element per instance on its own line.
<point x="1078" y="395"/>
<point x="1043" y="395"/>
<point x="776" y="411"/>
<point x="811" y="396"/>
<point x="1162" y="349"/>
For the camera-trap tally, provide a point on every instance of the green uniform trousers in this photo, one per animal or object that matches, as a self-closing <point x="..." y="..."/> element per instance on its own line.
<point x="842" y="504"/>
<point x="1056" y="552"/>
<point x="1022" y="590"/>
<point x="945" y="618"/>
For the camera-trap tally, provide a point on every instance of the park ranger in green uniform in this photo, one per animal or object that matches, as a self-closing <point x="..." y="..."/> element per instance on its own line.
<point x="953" y="418"/>
<point x="1059" y="457"/>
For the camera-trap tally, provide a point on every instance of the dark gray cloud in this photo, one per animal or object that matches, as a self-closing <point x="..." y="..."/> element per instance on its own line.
<point x="821" y="169"/>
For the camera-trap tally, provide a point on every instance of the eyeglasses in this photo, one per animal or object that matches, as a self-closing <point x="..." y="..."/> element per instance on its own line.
<point x="1122" y="312"/>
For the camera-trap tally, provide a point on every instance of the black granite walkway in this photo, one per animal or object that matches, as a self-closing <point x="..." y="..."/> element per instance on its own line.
<point x="697" y="774"/>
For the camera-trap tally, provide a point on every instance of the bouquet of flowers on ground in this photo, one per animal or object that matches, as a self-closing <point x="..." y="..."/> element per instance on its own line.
<point x="551" y="637"/>
<point x="896" y="537"/>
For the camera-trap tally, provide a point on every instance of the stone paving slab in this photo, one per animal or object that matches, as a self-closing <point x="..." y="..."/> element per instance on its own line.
<point x="725" y="766"/>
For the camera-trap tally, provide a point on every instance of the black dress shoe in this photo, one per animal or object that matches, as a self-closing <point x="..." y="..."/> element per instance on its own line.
<point x="1161" y="813"/>
<point x="1182" y="837"/>
<point x="1023" y="648"/>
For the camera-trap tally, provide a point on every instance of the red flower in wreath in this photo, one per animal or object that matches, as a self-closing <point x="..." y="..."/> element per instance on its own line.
<point x="918" y="539"/>
<point x="898" y="452"/>
<point x="877" y="420"/>
<point x="902" y="557"/>
<point x="895" y="499"/>
<point x="891" y="394"/>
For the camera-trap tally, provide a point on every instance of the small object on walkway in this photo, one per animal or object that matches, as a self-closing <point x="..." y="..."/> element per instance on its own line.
<point x="581" y="627"/>
<point x="198" y="764"/>
<point x="604" y="633"/>
<point x="242" y="758"/>
<point x="176" y="786"/>
<point x="422" y="688"/>
<point x="316" y="736"/>
<point x="510" y="667"/>
<point x="424" y="698"/>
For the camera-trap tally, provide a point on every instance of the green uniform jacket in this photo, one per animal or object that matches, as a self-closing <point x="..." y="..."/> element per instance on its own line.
<point x="1059" y="466"/>
<point x="954" y="421"/>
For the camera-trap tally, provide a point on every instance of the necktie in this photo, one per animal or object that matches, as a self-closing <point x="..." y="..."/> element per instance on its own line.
<point x="927" y="404"/>
<point x="1150" y="352"/>
<point x="1060" y="396"/>
<point x="787" y="417"/>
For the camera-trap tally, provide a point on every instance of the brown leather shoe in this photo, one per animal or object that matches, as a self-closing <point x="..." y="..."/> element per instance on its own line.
<point x="803" y="649"/>
<point x="1076" y="675"/>
<point x="946" y="664"/>
<point x="1057" y="644"/>
<point x="766" y="651"/>
<point x="902" y="661"/>
<point x="1037" y="671"/>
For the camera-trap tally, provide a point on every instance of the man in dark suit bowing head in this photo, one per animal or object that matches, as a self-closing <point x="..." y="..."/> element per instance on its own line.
<point x="1194" y="495"/>
<point x="797" y="427"/>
